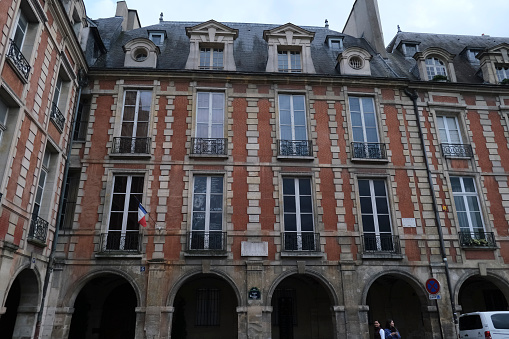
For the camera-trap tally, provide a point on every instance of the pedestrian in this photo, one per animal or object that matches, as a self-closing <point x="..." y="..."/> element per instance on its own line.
<point x="379" y="331"/>
<point x="391" y="332"/>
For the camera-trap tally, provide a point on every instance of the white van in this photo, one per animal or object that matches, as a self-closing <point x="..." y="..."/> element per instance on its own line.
<point x="487" y="325"/>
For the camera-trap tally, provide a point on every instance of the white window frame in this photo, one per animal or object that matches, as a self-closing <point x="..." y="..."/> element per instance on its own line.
<point x="4" y="113"/>
<point x="448" y="129"/>
<point x="336" y="42"/>
<point x="136" y="121"/>
<point x="41" y="183"/>
<point x="19" y="17"/>
<point x="502" y="72"/>
<point x="435" y="66"/>
<point x="291" y="57"/>
<point x="292" y="116"/>
<point x="208" y="194"/>
<point x="210" y="57"/>
<point x="211" y="109"/>
<point x="58" y="91"/>
<point x="464" y="196"/>
<point x="298" y="213"/>
<point x="154" y="34"/>
<point x="363" y="118"/>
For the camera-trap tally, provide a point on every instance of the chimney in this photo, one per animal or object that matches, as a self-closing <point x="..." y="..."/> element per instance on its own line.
<point x="364" y="22"/>
<point x="130" y="16"/>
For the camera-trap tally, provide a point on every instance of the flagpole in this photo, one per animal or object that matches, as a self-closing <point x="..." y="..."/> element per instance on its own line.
<point x="155" y="223"/>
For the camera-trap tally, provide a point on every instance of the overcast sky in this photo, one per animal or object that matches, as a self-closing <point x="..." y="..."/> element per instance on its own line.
<point x="469" y="17"/>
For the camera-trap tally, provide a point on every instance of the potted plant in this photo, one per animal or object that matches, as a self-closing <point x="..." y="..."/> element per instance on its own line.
<point x="505" y="81"/>
<point x="440" y="78"/>
<point x="477" y="242"/>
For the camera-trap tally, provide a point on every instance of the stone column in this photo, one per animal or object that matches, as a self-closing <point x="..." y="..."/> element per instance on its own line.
<point x="153" y="324"/>
<point x="140" y="321"/>
<point x="339" y="321"/>
<point x="61" y="322"/>
<point x="25" y="322"/>
<point x="255" y="320"/>
<point x="356" y="316"/>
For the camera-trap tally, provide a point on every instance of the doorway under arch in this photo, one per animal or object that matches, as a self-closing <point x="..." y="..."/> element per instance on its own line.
<point x="480" y="293"/>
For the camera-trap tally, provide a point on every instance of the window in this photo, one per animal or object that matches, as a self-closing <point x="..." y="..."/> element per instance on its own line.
<point x="69" y="202"/>
<point x="140" y="54"/>
<point x="80" y="131"/>
<point x="21" y="30"/>
<point x="502" y="73"/>
<point x="135" y="121"/>
<point x="209" y="134"/>
<point x="211" y="58"/>
<point x="157" y="38"/>
<point x="292" y="126"/>
<point x="467" y="205"/>
<point x="364" y="128"/>
<point x="207" y="219"/>
<point x="435" y="67"/>
<point x="336" y="44"/>
<point x="452" y="145"/>
<point x="19" y="51"/>
<point x="41" y="183"/>
<point x="56" y="114"/>
<point x="471" y="55"/>
<point x="409" y="49"/>
<point x="298" y="215"/>
<point x="289" y="61"/>
<point x="207" y="307"/>
<point x="123" y="228"/>
<point x="355" y="62"/>
<point x="39" y="226"/>
<point x="4" y="111"/>
<point x="376" y="221"/>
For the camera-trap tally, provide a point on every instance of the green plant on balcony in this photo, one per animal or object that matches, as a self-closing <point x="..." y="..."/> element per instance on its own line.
<point x="440" y="77"/>
<point x="477" y="242"/>
<point x="505" y="81"/>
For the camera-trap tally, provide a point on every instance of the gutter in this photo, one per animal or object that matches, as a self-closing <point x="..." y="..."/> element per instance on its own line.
<point x="82" y="82"/>
<point x="413" y="96"/>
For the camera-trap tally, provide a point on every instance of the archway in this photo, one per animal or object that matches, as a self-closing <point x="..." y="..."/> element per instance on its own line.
<point x="301" y="308"/>
<point x="392" y="297"/>
<point x="205" y="307"/>
<point x="479" y="293"/>
<point x="21" y="307"/>
<point x="105" y="309"/>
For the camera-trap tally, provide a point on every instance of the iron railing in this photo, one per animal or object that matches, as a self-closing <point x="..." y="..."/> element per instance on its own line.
<point x="457" y="150"/>
<point x="18" y="60"/>
<point x="303" y="241"/>
<point x="130" y="145"/>
<point x="369" y="150"/>
<point x="208" y="146"/>
<point x="116" y="241"/>
<point x="206" y="241"/>
<point x="38" y="229"/>
<point x="477" y="239"/>
<point x="215" y="68"/>
<point x="381" y="243"/>
<point x="57" y="116"/>
<point x="290" y="70"/>
<point x="295" y="148"/>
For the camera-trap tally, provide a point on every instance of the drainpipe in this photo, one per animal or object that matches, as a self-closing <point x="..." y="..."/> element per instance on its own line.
<point x="413" y="96"/>
<point x="82" y="82"/>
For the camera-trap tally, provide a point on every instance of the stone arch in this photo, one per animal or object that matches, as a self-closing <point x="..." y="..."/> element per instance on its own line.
<point x="493" y="278"/>
<point x="323" y="281"/>
<point x="75" y="288"/>
<point x="190" y="274"/>
<point x="38" y="279"/>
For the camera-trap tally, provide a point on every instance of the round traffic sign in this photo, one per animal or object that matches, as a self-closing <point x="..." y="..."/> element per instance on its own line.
<point x="432" y="286"/>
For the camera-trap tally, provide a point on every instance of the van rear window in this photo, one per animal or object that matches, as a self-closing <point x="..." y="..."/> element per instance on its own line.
<point x="500" y="320"/>
<point x="470" y="322"/>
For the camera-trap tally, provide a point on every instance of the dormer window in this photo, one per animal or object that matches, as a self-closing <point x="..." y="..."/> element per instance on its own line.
<point x="435" y="67"/>
<point x="435" y="64"/>
<point x="354" y="61"/>
<point x="502" y="72"/>
<point x="140" y="52"/>
<point x="409" y="49"/>
<point x="471" y="55"/>
<point x="157" y="37"/>
<point x="289" y="61"/>
<point x="211" y="58"/>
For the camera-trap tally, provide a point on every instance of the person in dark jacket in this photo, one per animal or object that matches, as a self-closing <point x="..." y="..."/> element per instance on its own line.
<point x="379" y="331"/>
<point x="391" y="332"/>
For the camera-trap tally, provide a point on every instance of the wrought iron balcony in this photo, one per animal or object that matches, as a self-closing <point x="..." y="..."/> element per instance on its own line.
<point x="477" y="239"/>
<point x="129" y="145"/>
<point x="369" y="150"/>
<point x="384" y="243"/>
<point x="295" y="148"/>
<point x="290" y="70"/>
<point x="18" y="60"/>
<point x="457" y="150"/>
<point x="206" y="241"/>
<point x="38" y="229"/>
<point x="57" y="117"/>
<point x="304" y="241"/>
<point x="116" y="241"/>
<point x="208" y="146"/>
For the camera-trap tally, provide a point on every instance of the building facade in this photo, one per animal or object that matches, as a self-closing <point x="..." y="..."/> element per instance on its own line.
<point x="299" y="183"/>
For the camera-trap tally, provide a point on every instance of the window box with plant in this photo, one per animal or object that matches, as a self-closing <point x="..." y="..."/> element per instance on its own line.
<point x="440" y="78"/>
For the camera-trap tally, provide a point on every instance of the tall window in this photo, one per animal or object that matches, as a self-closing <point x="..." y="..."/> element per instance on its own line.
<point x="292" y="125"/>
<point x="467" y="205"/>
<point x="39" y="226"/>
<point x="80" y="132"/>
<point x="376" y="221"/>
<point x="135" y="122"/>
<point x="289" y="61"/>
<point x="207" y="220"/>
<point x="298" y="215"/>
<point x="366" y="142"/>
<point x="449" y="130"/>
<point x="211" y="58"/>
<point x="207" y="306"/>
<point x="209" y="124"/>
<point x="41" y="183"/>
<point x="434" y="67"/>
<point x="123" y="228"/>
<point x="4" y="111"/>
<point x="21" y="30"/>
<point x="502" y="73"/>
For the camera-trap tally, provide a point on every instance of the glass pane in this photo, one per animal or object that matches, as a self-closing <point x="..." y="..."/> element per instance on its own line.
<point x="476" y="219"/>
<point x="128" y="113"/>
<point x="384" y="224"/>
<point x="203" y="99"/>
<point x="130" y="98"/>
<point x="289" y="204"/>
<point x="463" y="220"/>
<point x="356" y="119"/>
<point x="455" y="184"/>
<point x="298" y="103"/>
<point x="202" y="131"/>
<point x="290" y="222"/>
<point x="134" y="202"/>
<point x="199" y="202"/>
<point x="367" y="105"/>
<point x="358" y="134"/>
<point x="132" y="221"/>
<point x="200" y="184"/>
<point x="137" y="185"/>
<point x="285" y="117"/>
<point x="118" y="202"/>
<point x="216" y="202"/>
<point x="145" y="100"/>
<point x="299" y="118"/>
<point x="300" y="133"/>
<point x="217" y="116"/>
<point x="217" y="131"/>
<point x="368" y="224"/>
<point x="288" y="186"/>
<point x="216" y="184"/>
<point x="371" y="134"/>
<point x="198" y="221"/>
<point x="460" y="203"/>
<point x="455" y="137"/>
<point x="369" y="120"/>
<point x="355" y="105"/>
<point x="379" y="186"/>
<point x="217" y="101"/>
<point x="120" y="184"/>
<point x="216" y="221"/>
<point x="286" y="133"/>
<point x="116" y="220"/>
<point x="366" y="206"/>
<point x="3" y="112"/>
<point x="284" y="102"/>
<point x="306" y="222"/>
<point x="468" y="183"/>
<point x="473" y="205"/>
<point x="305" y="186"/>
<point x="305" y="204"/>
<point x="142" y="130"/>
<point x="127" y="129"/>
<point x="443" y="136"/>
<point x="364" y="188"/>
<point x="381" y="206"/>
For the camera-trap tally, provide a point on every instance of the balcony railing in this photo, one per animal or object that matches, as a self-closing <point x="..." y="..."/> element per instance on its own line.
<point x="208" y="146"/>
<point x="214" y="241"/>
<point x="38" y="229"/>
<point x="477" y="239"/>
<point x="295" y="148"/>
<point x="18" y="60"/>
<point x="457" y="150"/>
<point x="215" y="68"/>
<point x="57" y="117"/>
<point x="290" y="70"/>
<point x="130" y="145"/>
<point x="369" y="150"/>
<point x="116" y="241"/>
<point x="384" y="243"/>
<point x="304" y="241"/>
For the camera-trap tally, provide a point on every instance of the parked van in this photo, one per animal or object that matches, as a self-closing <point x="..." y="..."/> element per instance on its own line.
<point x="487" y="325"/>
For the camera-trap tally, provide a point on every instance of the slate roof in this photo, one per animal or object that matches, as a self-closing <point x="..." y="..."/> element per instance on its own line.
<point x="250" y="49"/>
<point x="454" y="44"/>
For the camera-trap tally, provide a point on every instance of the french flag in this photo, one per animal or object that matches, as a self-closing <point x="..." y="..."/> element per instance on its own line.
<point x="141" y="216"/>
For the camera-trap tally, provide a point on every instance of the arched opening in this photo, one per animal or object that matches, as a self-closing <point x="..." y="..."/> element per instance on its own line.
<point x="301" y="309"/>
<point x="104" y="309"/>
<point x="479" y="294"/>
<point x="21" y="307"/>
<point x="206" y="308"/>
<point x="391" y="297"/>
